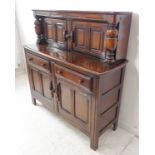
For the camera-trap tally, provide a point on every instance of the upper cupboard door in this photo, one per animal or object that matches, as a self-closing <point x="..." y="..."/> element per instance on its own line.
<point x="55" y="32"/>
<point x="88" y="36"/>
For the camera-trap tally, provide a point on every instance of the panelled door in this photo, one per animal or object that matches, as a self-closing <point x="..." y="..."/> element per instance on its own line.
<point x="74" y="104"/>
<point x="88" y="36"/>
<point x="41" y="85"/>
<point x="55" y="31"/>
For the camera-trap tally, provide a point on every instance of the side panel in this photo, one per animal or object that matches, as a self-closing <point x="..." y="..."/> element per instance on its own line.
<point x="110" y="87"/>
<point x="110" y="80"/>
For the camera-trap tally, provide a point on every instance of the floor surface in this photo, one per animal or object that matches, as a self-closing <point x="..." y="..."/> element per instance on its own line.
<point x="41" y="132"/>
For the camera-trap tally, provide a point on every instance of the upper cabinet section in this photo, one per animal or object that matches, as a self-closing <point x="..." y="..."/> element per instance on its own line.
<point x="101" y="34"/>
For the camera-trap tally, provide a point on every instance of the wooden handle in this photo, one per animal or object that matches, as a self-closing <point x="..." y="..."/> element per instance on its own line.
<point x="66" y="35"/>
<point x="52" y="89"/>
<point x="51" y="85"/>
<point x="73" y="36"/>
<point x="58" y="92"/>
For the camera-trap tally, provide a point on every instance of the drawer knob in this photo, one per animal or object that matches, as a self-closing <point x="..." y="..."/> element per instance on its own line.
<point x="80" y="81"/>
<point x="43" y="64"/>
<point x="30" y="59"/>
<point x="59" y="72"/>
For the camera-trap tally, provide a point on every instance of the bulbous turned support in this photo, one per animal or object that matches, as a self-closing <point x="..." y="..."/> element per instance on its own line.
<point x="110" y="44"/>
<point x="39" y="30"/>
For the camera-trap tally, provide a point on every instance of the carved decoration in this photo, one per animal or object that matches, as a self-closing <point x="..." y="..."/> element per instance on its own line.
<point x="39" y="30"/>
<point x="110" y="43"/>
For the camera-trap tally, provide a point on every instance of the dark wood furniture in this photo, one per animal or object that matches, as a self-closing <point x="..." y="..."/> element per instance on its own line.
<point x="77" y="66"/>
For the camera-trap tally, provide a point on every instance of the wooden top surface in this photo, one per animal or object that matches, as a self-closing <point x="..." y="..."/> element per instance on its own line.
<point x="108" y="16"/>
<point x="75" y="60"/>
<point x="86" y="12"/>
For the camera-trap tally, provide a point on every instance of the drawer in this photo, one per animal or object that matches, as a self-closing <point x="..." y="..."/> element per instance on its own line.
<point x="38" y="62"/>
<point x="76" y="78"/>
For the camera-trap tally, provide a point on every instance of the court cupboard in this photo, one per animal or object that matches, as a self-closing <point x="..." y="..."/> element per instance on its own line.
<point x="76" y="68"/>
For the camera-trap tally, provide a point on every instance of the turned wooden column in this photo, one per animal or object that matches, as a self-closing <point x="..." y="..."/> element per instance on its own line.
<point x="110" y="44"/>
<point x="39" y="29"/>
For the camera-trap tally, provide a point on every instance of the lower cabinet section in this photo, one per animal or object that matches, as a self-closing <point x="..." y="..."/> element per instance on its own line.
<point x="74" y="104"/>
<point x="91" y="103"/>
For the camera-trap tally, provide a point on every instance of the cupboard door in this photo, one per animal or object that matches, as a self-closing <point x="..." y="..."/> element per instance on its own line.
<point x="66" y="98"/>
<point x="82" y="103"/>
<point x="88" y="36"/>
<point x="36" y="80"/>
<point x="47" y="85"/>
<point x="55" y="30"/>
<point x="41" y="84"/>
<point x="74" y="104"/>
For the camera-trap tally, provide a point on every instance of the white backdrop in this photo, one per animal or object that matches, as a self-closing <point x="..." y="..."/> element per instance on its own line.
<point x="129" y="114"/>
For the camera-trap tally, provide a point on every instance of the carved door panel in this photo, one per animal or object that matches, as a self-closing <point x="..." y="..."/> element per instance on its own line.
<point x="82" y="103"/>
<point x="55" y="31"/>
<point x="74" y="104"/>
<point x="41" y="83"/>
<point x="47" y="85"/>
<point x="88" y="36"/>
<point x="66" y="98"/>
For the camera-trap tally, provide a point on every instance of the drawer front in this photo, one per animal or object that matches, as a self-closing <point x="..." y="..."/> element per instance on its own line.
<point x="38" y="62"/>
<point x="76" y="78"/>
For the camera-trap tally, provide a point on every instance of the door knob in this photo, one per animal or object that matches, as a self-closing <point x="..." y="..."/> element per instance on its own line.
<point x="66" y="35"/>
<point x="30" y="59"/>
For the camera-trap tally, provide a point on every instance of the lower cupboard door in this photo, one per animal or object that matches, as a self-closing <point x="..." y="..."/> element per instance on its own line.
<point x="74" y="104"/>
<point x="41" y="85"/>
<point x="82" y="103"/>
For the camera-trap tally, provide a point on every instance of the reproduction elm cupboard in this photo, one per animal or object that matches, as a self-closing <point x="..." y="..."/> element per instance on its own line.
<point x="77" y="66"/>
